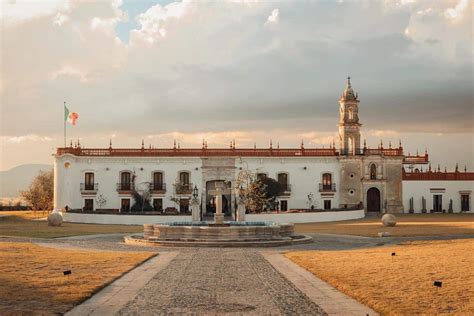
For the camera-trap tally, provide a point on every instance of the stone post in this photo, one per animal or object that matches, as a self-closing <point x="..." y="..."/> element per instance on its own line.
<point x="218" y="216"/>
<point x="195" y="210"/>
<point x="241" y="211"/>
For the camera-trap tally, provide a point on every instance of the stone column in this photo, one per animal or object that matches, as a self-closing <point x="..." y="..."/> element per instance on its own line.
<point x="195" y="210"/>
<point x="218" y="216"/>
<point x="241" y="211"/>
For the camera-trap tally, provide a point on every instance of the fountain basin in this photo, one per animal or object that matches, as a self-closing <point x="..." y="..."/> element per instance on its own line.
<point x="233" y="234"/>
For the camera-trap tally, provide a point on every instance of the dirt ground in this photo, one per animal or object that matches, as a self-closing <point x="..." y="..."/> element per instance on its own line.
<point x="407" y="225"/>
<point x="24" y="225"/>
<point x="401" y="284"/>
<point x="32" y="278"/>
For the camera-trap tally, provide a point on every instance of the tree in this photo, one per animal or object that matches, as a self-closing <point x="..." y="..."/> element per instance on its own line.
<point x="176" y="196"/>
<point x="272" y="189"/>
<point x="142" y="199"/>
<point x="252" y="189"/>
<point x="101" y="200"/>
<point x="40" y="193"/>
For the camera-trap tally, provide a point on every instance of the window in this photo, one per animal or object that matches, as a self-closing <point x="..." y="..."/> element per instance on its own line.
<point x="327" y="204"/>
<point x="351" y="114"/>
<point x="184" y="205"/>
<point x="373" y="171"/>
<point x="437" y="203"/>
<point x="158" y="181"/>
<point x="327" y="181"/>
<point x="125" y="181"/>
<point x="283" y="181"/>
<point x="184" y="177"/>
<point x="158" y="205"/>
<point x="350" y="146"/>
<point x="89" y="181"/>
<point x="283" y="205"/>
<point x="465" y="203"/>
<point x="88" y="204"/>
<point x="125" y="206"/>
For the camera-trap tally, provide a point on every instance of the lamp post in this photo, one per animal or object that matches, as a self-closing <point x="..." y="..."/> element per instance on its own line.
<point x="195" y="192"/>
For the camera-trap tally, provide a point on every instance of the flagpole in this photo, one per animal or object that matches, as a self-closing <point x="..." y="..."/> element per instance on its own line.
<point x="64" y="119"/>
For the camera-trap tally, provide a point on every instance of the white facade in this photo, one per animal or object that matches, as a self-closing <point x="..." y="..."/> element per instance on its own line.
<point x="304" y="177"/>
<point x="448" y="190"/>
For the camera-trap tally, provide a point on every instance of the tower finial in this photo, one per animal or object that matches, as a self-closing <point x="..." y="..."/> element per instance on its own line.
<point x="110" y="144"/>
<point x="349" y="81"/>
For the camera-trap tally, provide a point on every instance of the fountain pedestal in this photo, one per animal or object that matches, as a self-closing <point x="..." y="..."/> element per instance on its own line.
<point x="195" y="210"/>
<point x="218" y="216"/>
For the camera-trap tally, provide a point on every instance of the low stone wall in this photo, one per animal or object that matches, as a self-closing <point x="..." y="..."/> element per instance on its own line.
<point x="123" y="219"/>
<point x="309" y="217"/>
<point x="279" y="218"/>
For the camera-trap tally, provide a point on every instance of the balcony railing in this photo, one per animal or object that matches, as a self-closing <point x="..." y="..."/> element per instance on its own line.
<point x="158" y="187"/>
<point x="184" y="188"/>
<point x="286" y="188"/>
<point x="327" y="187"/>
<point x="89" y="187"/>
<point x="126" y="186"/>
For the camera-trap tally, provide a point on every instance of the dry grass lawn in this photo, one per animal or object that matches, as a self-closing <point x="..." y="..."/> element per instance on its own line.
<point x="27" y="214"/>
<point x="407" y="225"/>
<point x="24" y="226"/>
<point x="401" y="285"/>
<point x="32" y="280"/>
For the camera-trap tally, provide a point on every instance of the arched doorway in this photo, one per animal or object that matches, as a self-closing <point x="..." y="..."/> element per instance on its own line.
<point x="211" y="200"/>
<point x="373" y="200"/>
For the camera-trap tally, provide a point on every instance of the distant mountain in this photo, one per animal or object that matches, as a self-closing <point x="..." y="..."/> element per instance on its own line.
<point x="19" y="178"/>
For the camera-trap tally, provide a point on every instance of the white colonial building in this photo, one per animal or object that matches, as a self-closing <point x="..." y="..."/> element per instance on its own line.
<point x="322" y="178"/>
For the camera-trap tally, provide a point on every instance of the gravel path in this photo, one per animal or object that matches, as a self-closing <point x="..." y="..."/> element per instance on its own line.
<point x="220" y="281"/>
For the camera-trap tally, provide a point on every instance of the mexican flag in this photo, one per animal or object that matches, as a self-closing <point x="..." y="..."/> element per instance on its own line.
<point x="70" y="117"/>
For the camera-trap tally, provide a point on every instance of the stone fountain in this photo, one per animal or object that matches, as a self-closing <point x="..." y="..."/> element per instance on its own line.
<point x="238" y="233"/>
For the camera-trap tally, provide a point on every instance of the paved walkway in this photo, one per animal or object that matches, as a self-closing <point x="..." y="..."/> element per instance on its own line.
<point x="220" y="281"/>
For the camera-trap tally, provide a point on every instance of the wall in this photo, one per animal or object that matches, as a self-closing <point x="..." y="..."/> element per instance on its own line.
<point x="304" y="176"/>
<point x="123" y="219"/>
<point x="419" y="189"/>
<point x="314" y="217"/>
<point x="154" y="219"/>
<point x="107" y="175"/>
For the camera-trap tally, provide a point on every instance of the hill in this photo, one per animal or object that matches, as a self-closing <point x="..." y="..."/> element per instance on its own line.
<point x="19" y="178"/>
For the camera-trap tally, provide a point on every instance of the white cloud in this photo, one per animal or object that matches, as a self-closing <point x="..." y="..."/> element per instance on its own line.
<point x="25" y="138"/>
<point x="457" y="11"/>
<point x="19" y="10"/>
<point x="273" y="18"/>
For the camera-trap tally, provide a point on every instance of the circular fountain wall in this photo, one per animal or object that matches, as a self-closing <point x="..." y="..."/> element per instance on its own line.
<point x="228" y="234"/>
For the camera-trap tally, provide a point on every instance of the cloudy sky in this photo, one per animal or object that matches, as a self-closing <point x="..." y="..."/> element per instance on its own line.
<point x="239" y="69"/>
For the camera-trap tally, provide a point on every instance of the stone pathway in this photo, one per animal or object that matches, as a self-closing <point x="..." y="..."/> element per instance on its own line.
<point x="220" y="281"/>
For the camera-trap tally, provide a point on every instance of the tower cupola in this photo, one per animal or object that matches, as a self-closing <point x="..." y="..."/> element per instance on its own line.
<point x="348" y="93"/>
<point x="349" y="126"/>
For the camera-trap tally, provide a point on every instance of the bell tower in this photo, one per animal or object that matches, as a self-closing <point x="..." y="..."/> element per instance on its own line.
<point x="349" y="126"/>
